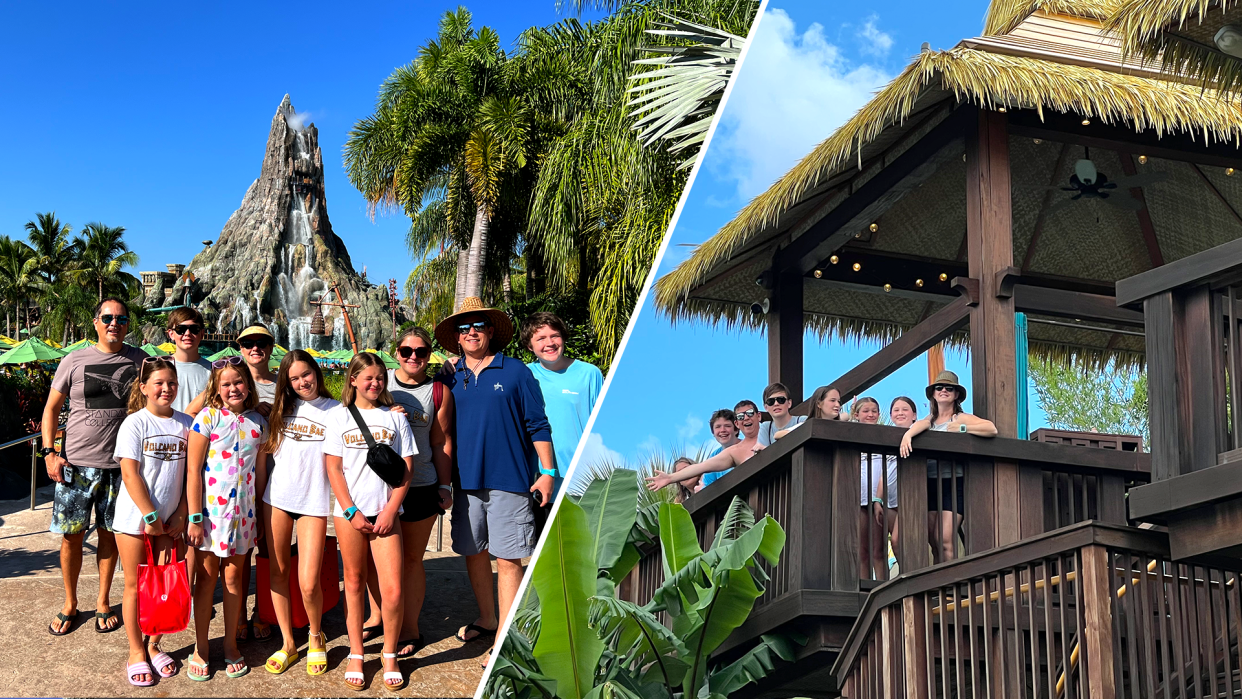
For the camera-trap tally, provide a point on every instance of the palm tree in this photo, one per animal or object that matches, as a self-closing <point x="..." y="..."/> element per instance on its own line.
<point x="104" y="255"/>
<point x="55" y="254"/>
<point x="18" y="284"/>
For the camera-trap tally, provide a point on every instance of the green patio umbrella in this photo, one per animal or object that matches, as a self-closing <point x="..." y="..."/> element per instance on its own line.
<point x="389" y="360"/>
<point x="153" y="350"/>
<point x="80" y="344"/>
<point x="226" y="352"/>
<point x="32" y="350"/>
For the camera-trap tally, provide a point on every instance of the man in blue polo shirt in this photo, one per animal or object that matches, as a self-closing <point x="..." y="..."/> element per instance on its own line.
<point x="500" y="423"/>
<point x="569" y="386"/>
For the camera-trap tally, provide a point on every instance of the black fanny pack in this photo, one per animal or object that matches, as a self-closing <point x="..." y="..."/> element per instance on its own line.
<point x="381" y="458"/>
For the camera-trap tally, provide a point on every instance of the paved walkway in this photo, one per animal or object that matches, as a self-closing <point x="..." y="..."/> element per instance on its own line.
<point x="83" y="663"/>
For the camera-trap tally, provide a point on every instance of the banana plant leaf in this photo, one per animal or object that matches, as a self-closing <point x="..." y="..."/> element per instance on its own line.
<point x="611" y="507"/>
<point x="568" y="650"/>
<point x="636" y="635"/>
<point x="757" y="663"/>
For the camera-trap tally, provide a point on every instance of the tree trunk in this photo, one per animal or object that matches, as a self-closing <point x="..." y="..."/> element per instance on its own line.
<point x="534" y="272"/>
<point x="101" y="289"/>
<point x="459" y="289"/>
<point x="507" y="286"/>
<point x="478" y="253"/>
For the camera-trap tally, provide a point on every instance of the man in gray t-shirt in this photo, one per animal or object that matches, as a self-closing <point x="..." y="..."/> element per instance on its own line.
<point x="185" y="329"/>
<point x="96" y="381"/>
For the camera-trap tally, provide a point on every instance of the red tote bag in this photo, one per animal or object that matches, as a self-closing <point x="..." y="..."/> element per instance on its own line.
<point x="163" y="595"/>
<point x="329" y="583"/>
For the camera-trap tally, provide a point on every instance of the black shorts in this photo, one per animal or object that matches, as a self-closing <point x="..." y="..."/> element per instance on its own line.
<point x="947" y="493"/>
<point x="421" y="502"/>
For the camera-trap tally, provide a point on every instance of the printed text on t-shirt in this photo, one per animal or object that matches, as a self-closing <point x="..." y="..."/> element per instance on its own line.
<point x="303" y="430"/>
<point x="353" y="439"/>
<point x="164" y="447"/>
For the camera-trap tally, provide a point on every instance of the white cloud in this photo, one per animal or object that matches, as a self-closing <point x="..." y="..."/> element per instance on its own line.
<point x="875" y="42"/>
<point x="793" y="91"/>
<point x="596" y="452"/>
<point x="689" y="430"/>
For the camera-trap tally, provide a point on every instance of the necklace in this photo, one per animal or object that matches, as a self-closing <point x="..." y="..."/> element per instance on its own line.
<point x="475" y="371"/>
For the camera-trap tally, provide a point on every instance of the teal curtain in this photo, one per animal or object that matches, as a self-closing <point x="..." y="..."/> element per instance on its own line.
<point x="1020" y="354"/>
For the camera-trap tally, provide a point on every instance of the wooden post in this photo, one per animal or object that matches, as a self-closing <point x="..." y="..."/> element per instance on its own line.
<point x="809" y="549"/>
<point x="785" y="327"/>
<point x="912" y="551"/>
<point x="846" y="487"/>
<point x="914" y="646"/>
<point x="892" y="683"/>
<point x="1097" y="607"/>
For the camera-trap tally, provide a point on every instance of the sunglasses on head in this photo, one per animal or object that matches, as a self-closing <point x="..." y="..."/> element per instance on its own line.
<point x="107" y="319"/>
<point x="479" y="326"/>
<point x="742" y="414"/>
<point x="251" y="343"/>
<point x="226" y="361"/>
<point x="192" y="328"/>
<point x="406" y="351"/>
<point x="776" y="400"/>
<point x="155" y="359"/>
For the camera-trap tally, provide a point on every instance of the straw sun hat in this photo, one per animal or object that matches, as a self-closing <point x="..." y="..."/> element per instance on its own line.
<point x="502" y="327"/>
<point x="946" y="378"/>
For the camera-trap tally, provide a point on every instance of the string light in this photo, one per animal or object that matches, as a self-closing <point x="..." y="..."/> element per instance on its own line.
<point x="857" y="266"/>
<point x="875" y="227"/>
<point x="944" y="277"/>
<point x="819" y="273"/>
<point x="1086" y="122"/>
<point x="1039" y="141"/>
<point x="834" y="259"/>
<point x="1002" y="110"/>
<point x="1142" y="160"/>
<point x="1228" y="172"/>
<point x="918" y="283"/>
<point x="888" y="287"/>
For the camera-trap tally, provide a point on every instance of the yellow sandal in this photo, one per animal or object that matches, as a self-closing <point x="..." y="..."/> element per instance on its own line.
<point x="281" y="660"/>
<point x="316" y="658"/>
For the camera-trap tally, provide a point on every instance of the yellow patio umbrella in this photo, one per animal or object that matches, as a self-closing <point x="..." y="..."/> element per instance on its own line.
<point x="314" y="352"/>
<point x="168" y="347"/>
<point x="9" y="340"/>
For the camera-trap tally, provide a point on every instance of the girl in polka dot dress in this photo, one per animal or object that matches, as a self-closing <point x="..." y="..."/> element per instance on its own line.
<point x="224" y="467"/>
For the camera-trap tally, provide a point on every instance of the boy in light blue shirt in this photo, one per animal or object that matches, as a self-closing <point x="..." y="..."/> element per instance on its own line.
<point x="570" y="388"/>
<point x="725" y="432"/>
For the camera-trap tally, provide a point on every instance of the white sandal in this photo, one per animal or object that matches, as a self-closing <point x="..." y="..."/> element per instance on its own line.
<point x="355" y="675"/>
<point x="393" y="675"/>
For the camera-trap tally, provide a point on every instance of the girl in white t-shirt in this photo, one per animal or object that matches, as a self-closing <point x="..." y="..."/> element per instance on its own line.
<point x="297" y="494"/>
<point x="367" y="507"/>
<point x="225" y="442"/>
<point x="151" y="449"/>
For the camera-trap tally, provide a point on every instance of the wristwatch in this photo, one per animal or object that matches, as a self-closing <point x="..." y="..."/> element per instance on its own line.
<point x="151" y="517"/>
<point x="961" y="428"/>
<point x="349" y="514"/>
<point x="196" y="518"/>
<point x="44" y="451"/>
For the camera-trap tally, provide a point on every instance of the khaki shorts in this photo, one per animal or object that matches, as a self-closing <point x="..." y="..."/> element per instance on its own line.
<point x="496" y="521"/>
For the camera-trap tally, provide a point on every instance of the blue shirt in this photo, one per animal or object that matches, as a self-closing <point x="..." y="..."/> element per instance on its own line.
<point x="713" y="476"/>
<point x="499" y="417"/>
<point x="568" y="397"/>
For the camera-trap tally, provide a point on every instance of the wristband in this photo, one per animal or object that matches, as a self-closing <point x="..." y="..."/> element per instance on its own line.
<point x="196" y="518"/>
<point x="349" y="514"/>
<point x="151" y="517"/>
<point x="447" y="487"/>
<point x="547" y="472"/>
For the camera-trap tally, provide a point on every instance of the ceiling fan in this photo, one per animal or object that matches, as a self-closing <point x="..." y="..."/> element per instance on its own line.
<point x="1088" y="182"/>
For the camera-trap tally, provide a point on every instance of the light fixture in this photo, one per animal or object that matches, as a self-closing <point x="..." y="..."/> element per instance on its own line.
<point x="1086" y="122"/>
<point x="1142" y="160"/>
<point x="944" y="277"/>
<point x="834" y="259"/>
<point x="918" y="283"/>
<point x="819" y="274"/>
<point x="858" y="235"/>
<point x="857" y="266"/>
<point x="1039" y="141"/>
<point x="1002" y="110"/>
<point x="875" y="227"/>
<point x="888" y="287"/>
<point x="1229" y="40"/>
<point x="1229" y="172"/>
<point x="317" y="324"/>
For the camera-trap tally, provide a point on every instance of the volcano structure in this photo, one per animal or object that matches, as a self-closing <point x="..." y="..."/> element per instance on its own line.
<point x="277" y="253"/>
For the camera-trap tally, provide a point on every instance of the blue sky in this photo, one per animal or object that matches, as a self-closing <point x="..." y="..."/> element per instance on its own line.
<point x="810" y="67"/>
<point x="154" y="116"/>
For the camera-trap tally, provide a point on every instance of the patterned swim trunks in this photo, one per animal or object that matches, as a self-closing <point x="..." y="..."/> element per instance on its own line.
<point x="82" y="488"/>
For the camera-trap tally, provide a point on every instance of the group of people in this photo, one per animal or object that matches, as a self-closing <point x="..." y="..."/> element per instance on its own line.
<point x="177" y="456"/>
<point x="742" y="432"/>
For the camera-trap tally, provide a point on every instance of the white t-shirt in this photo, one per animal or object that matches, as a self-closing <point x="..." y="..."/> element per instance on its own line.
<point x="192" y="378"/>
<point x="368" y="491"/>
<point x="296" y="478"/>
<point x="159" y="446"/>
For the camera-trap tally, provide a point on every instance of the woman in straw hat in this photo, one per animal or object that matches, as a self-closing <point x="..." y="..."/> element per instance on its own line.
<point x="500" y="421"/>
<point x="945" y="488"/>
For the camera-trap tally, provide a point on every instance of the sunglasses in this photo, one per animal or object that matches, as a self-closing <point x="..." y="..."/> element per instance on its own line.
<point x="420" y="352"/>
<point x="192" y="328"/>
<point x="107" y="319"/>
<point x="226" y="361"/>
<point x="776" y="400"/>
<point x="944" y="387"/>
<point x="157" y="359"/>
<point x="743" y="414"/>
<point x="249" y="343"/>
<point x="479" y="326"/>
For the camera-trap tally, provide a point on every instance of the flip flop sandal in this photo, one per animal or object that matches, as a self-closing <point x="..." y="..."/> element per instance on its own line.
<point x="480" y="632"/>
<point x="370" y="632"/>
<point x="259" y="630"/>
<point x="393" y="675"/>
<point x="355" y="675"/>
<point x="489" y="658"/>
<point x="202" y="666"/>
<point x="283" y="661"/>
<point x="243" y="633"/>
<point x="236" y="673"/>
<point x="140" y="668"/>
<point x="163" y="661"/>
<point x="63" y="618"/>
<point x="104" y="617"/>
<point x="417" y="643"/>
<point x="316" y="658"/>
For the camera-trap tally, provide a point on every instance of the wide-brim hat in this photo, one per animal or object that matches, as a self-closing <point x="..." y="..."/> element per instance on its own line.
<point x="256" y="330"/>
<point x="946" y="378"/>
<point x="502" y="327"/>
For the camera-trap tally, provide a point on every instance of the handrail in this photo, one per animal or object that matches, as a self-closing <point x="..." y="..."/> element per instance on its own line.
<point x="20" y="440"/>
<point x="952" y="572"/>
<point x="34" y="461"/>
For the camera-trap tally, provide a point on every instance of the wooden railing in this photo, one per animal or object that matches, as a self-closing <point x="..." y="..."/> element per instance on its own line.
<point x="1094" y="610"/>
<point x="811" y="482"/>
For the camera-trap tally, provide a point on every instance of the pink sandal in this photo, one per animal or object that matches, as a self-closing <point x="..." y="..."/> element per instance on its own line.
<point x="162" y="662"/>
<point x="142" y="668"/>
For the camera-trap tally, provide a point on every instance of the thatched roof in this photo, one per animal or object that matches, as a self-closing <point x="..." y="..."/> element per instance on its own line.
<point x="1005" y="15"/>
<point x="1177" y="35"/>
<point x="716" y="283"/>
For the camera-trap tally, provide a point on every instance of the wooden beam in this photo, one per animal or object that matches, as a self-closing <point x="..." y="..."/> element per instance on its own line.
<point x="909" y="345"/>
<point x="905" y="173"/>
<point x="1043" y="208"/>
<point x="1199" y="268"/>
<point x="1073" y="304"/>
<point x="1144" y="216"/>
<point x="928" y="296"/>
<point x="1220" y="197"/>
<point x="1067" y="128"/>
<point x="785" y="330"/>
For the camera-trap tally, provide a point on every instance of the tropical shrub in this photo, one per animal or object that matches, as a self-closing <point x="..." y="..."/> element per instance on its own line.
<point x="573" y="637"/>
